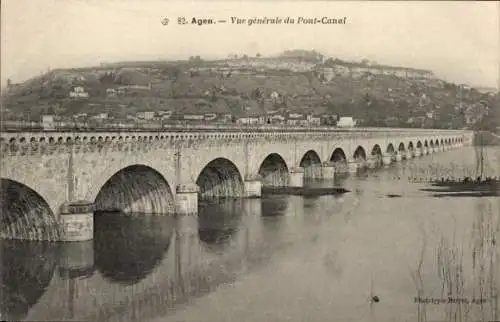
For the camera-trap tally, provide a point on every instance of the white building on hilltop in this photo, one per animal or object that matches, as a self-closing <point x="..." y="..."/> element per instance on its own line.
<point x="78" y="92"/>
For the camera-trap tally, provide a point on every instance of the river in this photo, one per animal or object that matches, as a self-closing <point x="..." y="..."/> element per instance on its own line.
<point x="386" y="251"/>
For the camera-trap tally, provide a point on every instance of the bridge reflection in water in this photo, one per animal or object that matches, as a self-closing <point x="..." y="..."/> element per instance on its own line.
<point x="137" y="267"/>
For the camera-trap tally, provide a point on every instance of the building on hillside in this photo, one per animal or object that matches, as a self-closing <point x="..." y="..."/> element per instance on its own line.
<point x="295" y="121"/>
<point x="346" y="121"/>
<point x="250" y="120"/>
<point x="111" y="92"/>
<point x="194" y="117"/>
<point x="210" y="116"/>
<point x="295" y="116"/>
<point x="48" y="122"/>
<point x="328" y="119"/>
<point x="78" y="92"/>
<point x="357" y="70"/>
<point x="225" y="118"/>
<point x="276" y="119"/>
<point x="313" y="120"/>
<point x="101" y="116"/>
<point x="149" y="115"/>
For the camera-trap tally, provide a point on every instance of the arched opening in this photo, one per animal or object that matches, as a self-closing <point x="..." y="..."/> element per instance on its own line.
<point x="219" y="222"/>
<point x="390" y="149"/>
<point x="274" y="171"/>
<point x="25" y="214"/>
<point x="220" y="178"/>
<point x="426" y="144"/>
<point x="136" y="189"/>
<point x="311" y="163"/>
<point x="339" y="159"/>
<point x="27" y="268"/>
<point x="128" y="248"/>
<point x="411" y="148"/>
<point x="376" y="155"/>
<point x="402" y="150"/>
<point x="359" y="154"/>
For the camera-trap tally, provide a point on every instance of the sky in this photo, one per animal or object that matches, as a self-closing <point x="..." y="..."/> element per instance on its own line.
<point x="459" y="41"/>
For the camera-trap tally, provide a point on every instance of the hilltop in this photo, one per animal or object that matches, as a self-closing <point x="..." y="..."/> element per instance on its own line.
<point x="306" y="83"/>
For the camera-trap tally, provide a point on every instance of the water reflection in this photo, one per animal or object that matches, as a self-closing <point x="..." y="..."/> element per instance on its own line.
<point x="273" y="206"/>
<point x="128" y="248"/>
<point x="219" y="221"/>
<point x="27" y="270"/>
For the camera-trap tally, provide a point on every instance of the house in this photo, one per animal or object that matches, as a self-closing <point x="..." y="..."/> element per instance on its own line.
<point x="78" y="92"/>
<point x="48" y="122"/>
<point x="274" y="95"/>
<point x="313" y="120"/>
<point x="225" y="118"/>
<point x="295" y="116"/>
<point x="101" y="116"/>
<point x="111" y="92"/>
<point x="210" y="116"/>
<point x="248" y="120"/>
<point x="346" y="121"/>
<point x="276" y="119"/>
<point x="194" y="117"/>
<point x="149" y="115"/>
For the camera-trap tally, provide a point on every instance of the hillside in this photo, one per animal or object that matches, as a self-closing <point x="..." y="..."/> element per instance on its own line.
<point x="196" y="86"/>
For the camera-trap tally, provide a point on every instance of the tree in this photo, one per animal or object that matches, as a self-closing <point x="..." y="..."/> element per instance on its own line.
<point x="257" y="55"/>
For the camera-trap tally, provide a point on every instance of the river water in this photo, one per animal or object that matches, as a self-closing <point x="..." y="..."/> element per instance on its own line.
<point x="386" y="251"/>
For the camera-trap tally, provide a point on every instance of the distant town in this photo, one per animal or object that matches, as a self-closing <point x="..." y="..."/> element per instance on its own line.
<point x="296" y="88"/>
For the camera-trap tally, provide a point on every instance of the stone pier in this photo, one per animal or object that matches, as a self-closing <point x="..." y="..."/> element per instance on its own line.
<point x="77" y="221"/>
<point x="253" y="187"/>
<point x="187" y="199"/>
<point x="387" y="158"/>
<point x="296" y="177"/>
<point x="353" y="166"/>
<point x="329" y="170"/>
<point x="371" y="163"/>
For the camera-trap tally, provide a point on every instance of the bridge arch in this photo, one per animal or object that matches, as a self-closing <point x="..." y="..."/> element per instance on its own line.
<point x="376" y="154"/>
<point x="220" y="178"/>
<point x="311" y="162"/>
<point x="25" y="213"/>
<point x="390" y="149"/>
<point x="359" y="154"/>
<point x="274" y="171"/>
<point x="339" y="159"/>
<point x="136" y="189"/>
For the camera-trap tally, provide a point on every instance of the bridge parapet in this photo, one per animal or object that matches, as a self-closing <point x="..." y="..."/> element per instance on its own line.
<point x="48" y="143"/>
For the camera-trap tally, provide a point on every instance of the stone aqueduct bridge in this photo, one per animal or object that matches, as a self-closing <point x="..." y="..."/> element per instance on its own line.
<point x="46" y="175"/>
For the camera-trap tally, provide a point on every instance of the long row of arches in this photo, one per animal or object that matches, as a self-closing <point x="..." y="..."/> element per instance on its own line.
<point x="138" y="188"/>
